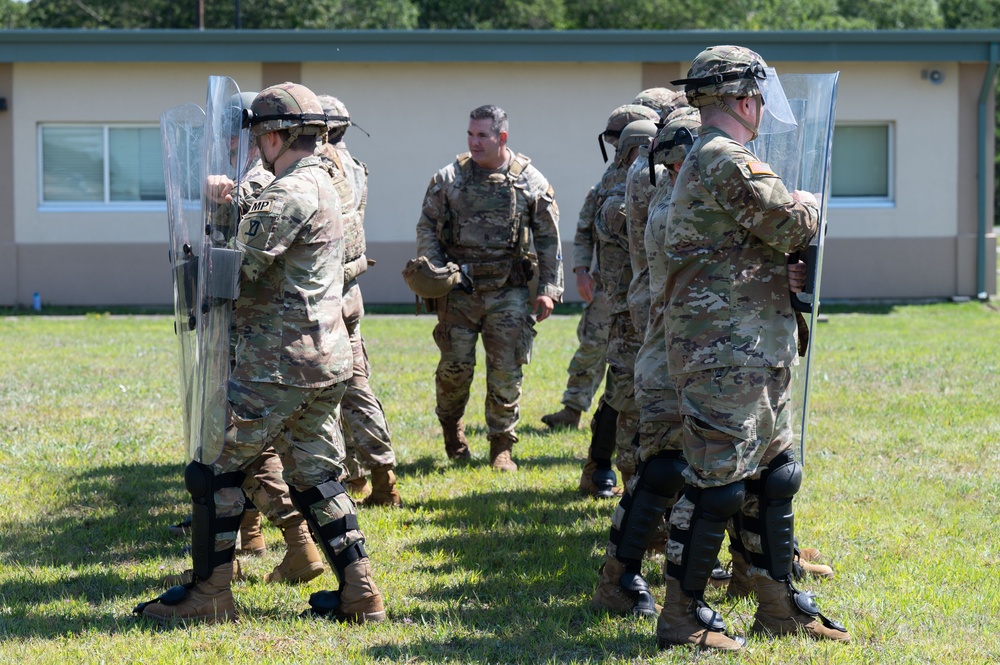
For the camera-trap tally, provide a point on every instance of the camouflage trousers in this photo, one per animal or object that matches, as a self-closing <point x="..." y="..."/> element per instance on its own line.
<point x="659" y="422"/>
<point x="265" y="486"/>
<point x="586" y="368"/>
<point x="504" y="320"/>
<point x="300" y="424"/>
<point x="734" y="420"/>
<point x="623" y="344"/>
<point x="363" y="422"/>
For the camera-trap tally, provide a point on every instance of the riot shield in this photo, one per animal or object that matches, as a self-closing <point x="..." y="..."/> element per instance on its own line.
<point x="801" y="156"/>
<point x="181" y="131"/>
<point x="218" y="273"/>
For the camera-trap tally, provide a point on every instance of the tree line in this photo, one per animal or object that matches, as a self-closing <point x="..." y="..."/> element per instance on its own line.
<point x="502" y="14"/>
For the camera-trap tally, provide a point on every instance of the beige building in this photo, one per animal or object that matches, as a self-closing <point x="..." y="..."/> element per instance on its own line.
<point x="82" y="215"/>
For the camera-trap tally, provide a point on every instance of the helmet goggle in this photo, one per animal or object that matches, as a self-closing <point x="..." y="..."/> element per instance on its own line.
<point x="683" y="136"/>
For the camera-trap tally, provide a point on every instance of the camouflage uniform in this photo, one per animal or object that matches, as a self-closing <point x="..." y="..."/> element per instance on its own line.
<point x="587" y="367"/>
<point x="623" y="338"/>
<point x="362" y="416"/>
<point x="741" y="340"/>
<point x="485" y="220"/>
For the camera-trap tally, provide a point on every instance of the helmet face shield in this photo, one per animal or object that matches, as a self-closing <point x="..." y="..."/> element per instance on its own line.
<point x="776" y="115"/>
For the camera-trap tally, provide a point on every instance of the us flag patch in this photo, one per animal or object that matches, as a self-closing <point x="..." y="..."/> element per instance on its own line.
<point x="760" y="168"/>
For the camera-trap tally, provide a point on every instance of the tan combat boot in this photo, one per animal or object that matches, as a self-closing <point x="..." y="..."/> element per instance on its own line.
<point x="358" y="488"/>
<point x="359" y="597"/>
<point x="568" y="417"/>
<point x="802" y="566"/>
<point x="779" y="614"/>
<point x="178" y="579"/>
<point x="208" y="601"/>
<point x="687" y="621"/>
<point x="384" y="491"/>
<point x="251" y="538"/>
<point x="302" y="561"/>
<point x="610" y="596"/>
<point x="455" y="443"/>
<point x="739" y="584"/>
<point x="500" y="447"/>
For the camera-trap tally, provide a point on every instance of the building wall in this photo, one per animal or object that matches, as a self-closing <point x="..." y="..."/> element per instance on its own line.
<point x="416" y="113"/>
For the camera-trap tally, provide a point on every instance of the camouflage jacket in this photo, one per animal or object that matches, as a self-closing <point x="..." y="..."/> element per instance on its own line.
<point x="651" y="372"/>
<point x="638" y="191"/>
<point x="584" y="242"/>
<point x="487" y="221"/>
<point x="730" y="225"/>
<point x="288" y="316"/>
<point x="345" y="181"/>
<point x="612" y="241"/>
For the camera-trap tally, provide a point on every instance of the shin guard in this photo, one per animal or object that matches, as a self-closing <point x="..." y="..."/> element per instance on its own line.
<point x="206" y="525"/>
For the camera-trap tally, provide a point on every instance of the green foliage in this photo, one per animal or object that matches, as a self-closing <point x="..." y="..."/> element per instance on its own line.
<point x="492" y="15"/>
<point x="901" y="480"/>
<point x="893" y="14"/>
<point x="13" y="15"/>
<point x="970" y="14"/>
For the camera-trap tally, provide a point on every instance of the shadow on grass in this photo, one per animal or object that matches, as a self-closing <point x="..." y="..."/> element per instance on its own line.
<point x="81" y="543"/>
<point x="520" y="569"/>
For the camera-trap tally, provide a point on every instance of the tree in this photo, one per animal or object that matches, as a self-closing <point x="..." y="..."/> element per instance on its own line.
<point x="13" y="15"/>
<point x="492" y="15"/>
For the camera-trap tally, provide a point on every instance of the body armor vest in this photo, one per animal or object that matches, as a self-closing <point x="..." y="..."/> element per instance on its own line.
<point x="486" y="229"/>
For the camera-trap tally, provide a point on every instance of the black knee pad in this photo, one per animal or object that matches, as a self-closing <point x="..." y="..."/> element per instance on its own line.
<point x="713" y="508"/>
<point x="202" y="484"/>
<point x="779" y="481"/>
<point x="663" y="473"/>
<point x="603" y="430"/>
<point x="326" y="533"/>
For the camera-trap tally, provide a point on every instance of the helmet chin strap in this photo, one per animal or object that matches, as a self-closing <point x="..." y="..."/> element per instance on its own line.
<point x="728" y="110"/>
<point x="293" y="133"/>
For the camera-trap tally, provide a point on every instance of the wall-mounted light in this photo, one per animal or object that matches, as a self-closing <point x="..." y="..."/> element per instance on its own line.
<point x="935" y="76"/>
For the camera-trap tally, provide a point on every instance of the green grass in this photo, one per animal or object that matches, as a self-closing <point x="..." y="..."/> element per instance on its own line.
<point x="901" y="475"/>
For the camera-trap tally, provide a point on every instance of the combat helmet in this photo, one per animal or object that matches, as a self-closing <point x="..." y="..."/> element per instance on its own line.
<point x="636" y="133"/>
<point x="430" y="281"/>
<point x="674" y="140"/>
<point x="661" y="100"/>
<point x="337" y="116"/>
<point x="287" y="106"/>
<point x="723" y="71"/>
<point x="620" y="117"/>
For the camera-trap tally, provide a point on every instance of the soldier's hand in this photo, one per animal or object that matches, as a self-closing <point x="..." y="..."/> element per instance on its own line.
<point x="543" y="307"/>
<point x="585" y="285"/>
<point x="800" y="196"/>
<point x="218" y="189"/>
<point x="796" y="277"/>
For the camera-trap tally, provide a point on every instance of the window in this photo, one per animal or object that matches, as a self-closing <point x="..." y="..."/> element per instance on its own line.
<point x="101" y="165"/>
<point x="862" y="165"/>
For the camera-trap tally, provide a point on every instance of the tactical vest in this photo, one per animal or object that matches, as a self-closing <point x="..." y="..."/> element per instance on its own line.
<point x="486" y="228"/>
<point x="354" y="230"/>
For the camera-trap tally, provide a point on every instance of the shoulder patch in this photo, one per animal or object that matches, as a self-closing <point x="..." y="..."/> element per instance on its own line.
<point x="759" y="168"/>
<point x="265" y="205"/>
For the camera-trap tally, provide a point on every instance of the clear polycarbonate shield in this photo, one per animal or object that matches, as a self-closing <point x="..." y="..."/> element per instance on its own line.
<point x="218" y="274"/>
<point x="777" y="115"/>
<point x="802" y="158"/>
<point x="181" y="131"/>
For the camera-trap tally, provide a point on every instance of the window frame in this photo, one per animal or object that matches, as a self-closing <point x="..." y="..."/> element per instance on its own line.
<point x="107" y="205"/>
<point x="887" y="201"/>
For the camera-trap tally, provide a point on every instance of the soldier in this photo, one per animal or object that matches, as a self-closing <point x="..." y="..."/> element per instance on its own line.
<point x="662" y="100"/>
<point x="589" y="362"/>
<point x="623" y="338"/>
<point x="482" y="213"/>
<point x="292" y="363"/>
<point x="639" y="515"/>
<point x="264" y="485"/>
<point x="361" y="415"/>
<point x="597" y="477"/>
<point x="731" y="340"/>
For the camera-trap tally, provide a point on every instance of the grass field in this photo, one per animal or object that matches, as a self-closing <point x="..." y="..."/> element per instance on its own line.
<point x="900" y="494"/>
